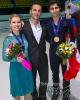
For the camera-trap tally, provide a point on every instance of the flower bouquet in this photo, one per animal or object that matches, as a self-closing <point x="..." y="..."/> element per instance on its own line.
<point x="14" y="50"/>
<point x="65" y="50"/>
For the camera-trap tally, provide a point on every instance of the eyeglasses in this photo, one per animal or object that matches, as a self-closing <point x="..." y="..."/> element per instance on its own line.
<point x="54" y="8"/>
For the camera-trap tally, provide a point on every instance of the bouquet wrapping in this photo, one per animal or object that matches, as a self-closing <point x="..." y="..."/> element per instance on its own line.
<point x="14" y="50"/>
<point x="26" y="64"/>
<point x="74" y="66"/>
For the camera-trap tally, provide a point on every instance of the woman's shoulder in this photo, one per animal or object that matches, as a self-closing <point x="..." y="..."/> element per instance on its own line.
<point x="8" y="38"/>
<point x="24" y="37"/>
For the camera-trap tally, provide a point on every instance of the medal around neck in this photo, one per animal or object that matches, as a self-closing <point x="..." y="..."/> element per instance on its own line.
<point x="56" y="39"/>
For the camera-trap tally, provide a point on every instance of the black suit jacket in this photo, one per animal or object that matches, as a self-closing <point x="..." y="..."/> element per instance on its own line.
<point x="36" y="51"/>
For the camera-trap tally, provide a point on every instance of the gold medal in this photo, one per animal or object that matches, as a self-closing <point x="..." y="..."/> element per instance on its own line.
<point x="56" y="39"/>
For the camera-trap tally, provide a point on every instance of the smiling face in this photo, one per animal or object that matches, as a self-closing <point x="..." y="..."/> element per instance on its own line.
<point x="54" y="10"/>
<point x="15" y="24"/>
<point x="36" y="11"/>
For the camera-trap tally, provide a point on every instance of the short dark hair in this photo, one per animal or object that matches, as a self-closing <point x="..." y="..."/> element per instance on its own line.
<point x="35" y="3"/>
<point x="52" y="2"/>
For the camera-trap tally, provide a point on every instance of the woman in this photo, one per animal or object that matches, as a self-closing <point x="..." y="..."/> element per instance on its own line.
<point x="21" y="81"/>
<point x="57" y="28"/>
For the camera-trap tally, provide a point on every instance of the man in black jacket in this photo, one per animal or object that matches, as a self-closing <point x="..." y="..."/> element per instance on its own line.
<point x="36" y="34"/>
<point x="58" y="26"/>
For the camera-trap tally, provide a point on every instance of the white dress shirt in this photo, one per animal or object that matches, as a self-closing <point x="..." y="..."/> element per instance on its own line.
<point x="37" y="31"/>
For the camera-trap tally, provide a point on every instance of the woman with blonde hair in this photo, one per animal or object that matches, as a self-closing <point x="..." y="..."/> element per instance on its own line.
<point x="21" y="80"/>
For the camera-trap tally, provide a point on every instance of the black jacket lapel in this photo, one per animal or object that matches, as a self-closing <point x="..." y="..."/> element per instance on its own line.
<point x="43" y="32"/>
<point x="31" y="32"/>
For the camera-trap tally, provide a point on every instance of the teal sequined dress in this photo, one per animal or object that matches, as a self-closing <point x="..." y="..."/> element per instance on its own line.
<point x="21" y="80"/>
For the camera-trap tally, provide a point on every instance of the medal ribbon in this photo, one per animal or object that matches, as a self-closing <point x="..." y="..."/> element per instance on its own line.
<point x="56" y="29"/>
<point x="21" y="42"/>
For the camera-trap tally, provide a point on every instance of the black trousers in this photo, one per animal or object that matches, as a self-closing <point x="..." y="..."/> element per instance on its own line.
<point x="42" y="68"/>
<point x="55" y="62"/>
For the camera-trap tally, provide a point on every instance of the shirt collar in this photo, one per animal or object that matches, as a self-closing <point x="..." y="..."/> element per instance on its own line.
<point x="38" y="25"/>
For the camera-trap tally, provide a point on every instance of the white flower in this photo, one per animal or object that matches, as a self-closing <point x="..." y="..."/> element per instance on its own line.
<point x="66" y="48"/>
<point x="7" y="51"/>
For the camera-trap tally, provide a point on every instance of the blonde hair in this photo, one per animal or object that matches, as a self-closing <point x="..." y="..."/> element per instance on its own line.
<point x="13" y="15"/>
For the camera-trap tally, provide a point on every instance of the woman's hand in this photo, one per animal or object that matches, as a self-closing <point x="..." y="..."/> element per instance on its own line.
<point x="20" y="59"/>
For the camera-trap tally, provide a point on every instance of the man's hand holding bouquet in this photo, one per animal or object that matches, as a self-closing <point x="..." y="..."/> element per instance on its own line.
<point x="68" y="51"/>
